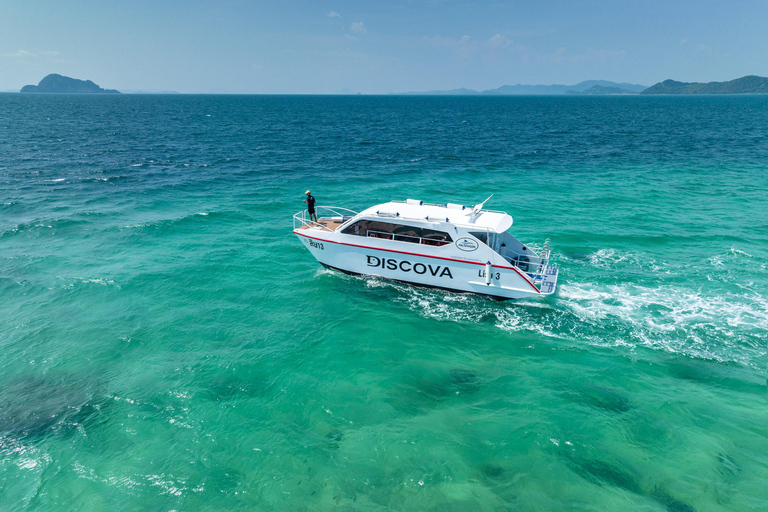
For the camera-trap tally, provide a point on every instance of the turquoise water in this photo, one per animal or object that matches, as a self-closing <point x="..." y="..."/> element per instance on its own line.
<point x="168" y="344"/>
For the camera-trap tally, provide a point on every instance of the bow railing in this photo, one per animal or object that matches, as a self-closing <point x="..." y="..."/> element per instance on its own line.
<point x="322" y="213"/>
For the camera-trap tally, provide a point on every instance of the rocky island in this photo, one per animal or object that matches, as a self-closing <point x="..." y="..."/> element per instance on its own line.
<point x="744" y="85"/>
<point x="63" y="84"/>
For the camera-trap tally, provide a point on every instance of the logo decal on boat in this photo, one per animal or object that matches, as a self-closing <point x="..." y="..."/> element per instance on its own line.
<point x="466" y="244"/>
<point x="407" y="266"/>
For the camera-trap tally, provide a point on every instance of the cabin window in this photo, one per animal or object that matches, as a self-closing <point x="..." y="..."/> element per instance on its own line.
<point x="398" y="232"/>
<point x="358" y="228"/>
<point x="481" y="235"/>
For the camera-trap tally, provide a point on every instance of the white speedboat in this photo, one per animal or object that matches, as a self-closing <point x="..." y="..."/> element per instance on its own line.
<point x="448" y="246"/>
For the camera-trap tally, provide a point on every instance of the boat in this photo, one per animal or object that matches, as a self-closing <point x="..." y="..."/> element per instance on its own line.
<point x="448" y="246"/>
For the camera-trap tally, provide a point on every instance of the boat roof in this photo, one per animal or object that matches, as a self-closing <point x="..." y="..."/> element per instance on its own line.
<point x="455" y="214"/>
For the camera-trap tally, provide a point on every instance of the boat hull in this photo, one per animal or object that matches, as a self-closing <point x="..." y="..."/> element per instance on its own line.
<point x="389" y="260"/>
<point x="411" y="283"/>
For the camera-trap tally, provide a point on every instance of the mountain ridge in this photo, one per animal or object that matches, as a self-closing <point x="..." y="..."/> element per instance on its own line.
<point x="750" y="84"/>
<point x="600" y="90"/>
<point x="535" y="90"/>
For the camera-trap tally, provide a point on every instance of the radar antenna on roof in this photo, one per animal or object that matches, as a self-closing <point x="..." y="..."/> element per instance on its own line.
<point x="478" y="207"/>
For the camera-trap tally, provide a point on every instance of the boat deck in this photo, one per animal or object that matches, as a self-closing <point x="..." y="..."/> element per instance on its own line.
<point x="323" y="224"/>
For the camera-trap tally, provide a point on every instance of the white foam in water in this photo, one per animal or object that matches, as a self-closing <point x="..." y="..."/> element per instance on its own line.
<point x="86" y="280"/>
<point x="610" y="259"/>
<point x="139" y="225"/>
<point x="671" y="318"/>
<point x="739" y="252"/>
<point x="454" y="307"/>
<point x="724" y="326"/>
<point x="326" y="271"/>
<point x="101" y="281"/>
<point x="716" y="260"/>
<point x="443" y="306"/>
<point x="728" y="326"/>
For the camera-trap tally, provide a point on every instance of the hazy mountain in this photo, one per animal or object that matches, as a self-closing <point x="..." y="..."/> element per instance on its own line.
<point x="599" y="90"/>
<point x="745" y="85"/>
<point x="142" y="91"/>
<point x="452" y="92"/>
<point x="548" y="90"/>
<point x="63" y="84"/>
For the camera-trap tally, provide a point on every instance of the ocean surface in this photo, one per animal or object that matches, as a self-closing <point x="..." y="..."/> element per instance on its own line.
<point x="167" y="344"/>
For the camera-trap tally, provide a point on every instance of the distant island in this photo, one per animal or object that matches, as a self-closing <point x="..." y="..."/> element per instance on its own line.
<point x="591" y="87"/>
<point x="597" y="90"/>
<point x="142" y="91"/>
<point x="745" y="85"/>
<point x="63" y="84"/>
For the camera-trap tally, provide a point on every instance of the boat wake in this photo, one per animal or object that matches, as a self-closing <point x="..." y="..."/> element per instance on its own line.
<point x="727" y="325"/>
<point x="723" y="327"/>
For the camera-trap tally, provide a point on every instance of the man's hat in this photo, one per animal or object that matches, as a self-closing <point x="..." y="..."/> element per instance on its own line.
<point x="307" y="192"/>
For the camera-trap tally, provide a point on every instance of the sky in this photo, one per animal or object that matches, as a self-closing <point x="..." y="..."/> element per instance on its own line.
<point x="332" y="46"/>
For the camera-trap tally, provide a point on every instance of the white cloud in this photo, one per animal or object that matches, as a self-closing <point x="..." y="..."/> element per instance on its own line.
<point x="21" y="54"/>
<point x="50" y="56"/>
<point x="357" y="27"/>
<point x="466" y="47"/>
<point x="709" y="51"/>
<point x="333" y="14"/>
<point x="703" y="49"/>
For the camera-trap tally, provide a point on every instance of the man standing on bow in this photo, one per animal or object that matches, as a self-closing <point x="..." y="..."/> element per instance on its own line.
<point x="311" y="206"/>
